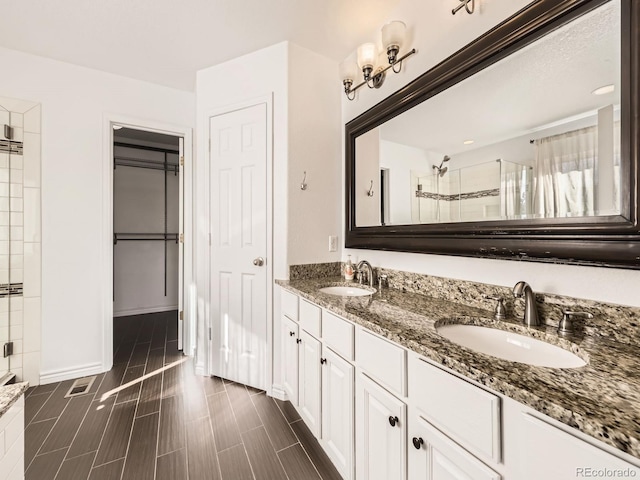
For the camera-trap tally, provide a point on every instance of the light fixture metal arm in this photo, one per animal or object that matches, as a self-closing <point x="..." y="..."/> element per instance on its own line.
<point x="352" y="90"/>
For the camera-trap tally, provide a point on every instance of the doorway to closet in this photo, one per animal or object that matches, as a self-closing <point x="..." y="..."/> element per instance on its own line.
<point x="147" y="242"/>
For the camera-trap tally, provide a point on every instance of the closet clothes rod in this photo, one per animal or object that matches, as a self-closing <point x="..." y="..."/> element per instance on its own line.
<point x="163" y="237"/>
<point x="149" y="164"/>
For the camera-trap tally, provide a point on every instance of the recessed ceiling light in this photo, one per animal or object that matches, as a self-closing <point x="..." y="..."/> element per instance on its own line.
<point x="468" y="142"/>
<point x="117" y="127"/>
<point x="604" y="90"/>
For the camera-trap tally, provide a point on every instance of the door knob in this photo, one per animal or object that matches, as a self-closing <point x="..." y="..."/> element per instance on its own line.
<point x="393" y="420"/>
<point x="417" y="442"/>
<point x="258" y="262"/>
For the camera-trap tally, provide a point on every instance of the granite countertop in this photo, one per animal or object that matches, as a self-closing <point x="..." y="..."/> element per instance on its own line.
<point x="9" y="394"/>
<point x="601" y="399"/>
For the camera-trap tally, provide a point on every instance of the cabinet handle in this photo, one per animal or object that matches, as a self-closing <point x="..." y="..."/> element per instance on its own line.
<point x="298" y="340"/>
<point x="393" y="421"/>
<point x="291" y="334"/>
<point x="323" y="361"/>
<point x="418" y="442"/>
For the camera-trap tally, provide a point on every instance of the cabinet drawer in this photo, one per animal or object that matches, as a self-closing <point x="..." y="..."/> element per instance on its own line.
<point x="382" y="360"/>
<point x="466" y="413"/>
<point x="338" y="334"/>
<point x="289" y="304"/>
<point x="310" y="317"/>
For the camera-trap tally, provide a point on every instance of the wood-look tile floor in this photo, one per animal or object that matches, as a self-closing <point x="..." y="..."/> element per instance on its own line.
<point x="173" y="425"/>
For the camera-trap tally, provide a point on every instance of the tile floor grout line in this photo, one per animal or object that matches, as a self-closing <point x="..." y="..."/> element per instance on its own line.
<point x="49" y="434"/>
<point x="80" y="425"/>
<point x="93" y="464"/>
<point x="135" y="411"/>
<point x="155" y="460"/>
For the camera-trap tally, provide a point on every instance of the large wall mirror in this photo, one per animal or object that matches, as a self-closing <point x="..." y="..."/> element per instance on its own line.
<point x="521" y="145"/>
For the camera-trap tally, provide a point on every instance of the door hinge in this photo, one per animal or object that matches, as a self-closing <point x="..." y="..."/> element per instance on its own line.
<point x="181" y="314"/>
<point x="8" y="349"/>
<point x="182" y="238"/>
<point x="209" y="333"/>
<point x="181" y="161"/>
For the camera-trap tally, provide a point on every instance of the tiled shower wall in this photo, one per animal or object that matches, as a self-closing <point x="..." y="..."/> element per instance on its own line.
<point x="20" y="238"/>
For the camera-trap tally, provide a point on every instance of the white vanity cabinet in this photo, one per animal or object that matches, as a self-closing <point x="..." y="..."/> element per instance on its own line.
<point x="382" y="412"/>
<point x="381" y="432"/>
<point x="337" y="411"/>
<point x="434" y="456"/>
<point x="309" y="393"/>
<point x="565" y="454"/>
<point x="317" y="380"/>
<point x="289" y="340"/>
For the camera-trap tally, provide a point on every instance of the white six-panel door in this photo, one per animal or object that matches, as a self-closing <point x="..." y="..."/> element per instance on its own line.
<point x="238" y="206"/>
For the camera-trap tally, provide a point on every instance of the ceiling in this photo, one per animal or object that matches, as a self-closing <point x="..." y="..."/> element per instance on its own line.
<point x="166" y="42"/>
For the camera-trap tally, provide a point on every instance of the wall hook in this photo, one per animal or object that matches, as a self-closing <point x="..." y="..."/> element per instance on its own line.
<point x="465" y="4"/>
<point x="303" y="185"/>
<point x="370" y="192"/>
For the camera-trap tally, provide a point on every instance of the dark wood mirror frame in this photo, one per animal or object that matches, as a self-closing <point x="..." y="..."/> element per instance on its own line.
<point x="612" y="241"/>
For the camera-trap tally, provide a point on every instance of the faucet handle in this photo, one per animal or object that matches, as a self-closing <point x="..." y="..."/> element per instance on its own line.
<point x="500" y="313"/>
<point x="382" y="281"/>
<point x="566" y="324"/>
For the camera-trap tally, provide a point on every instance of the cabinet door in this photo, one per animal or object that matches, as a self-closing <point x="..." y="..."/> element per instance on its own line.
<point x="565" y="456"/>
<point x="337" y="411"/>
<point x="310" y="378"/>
<point x="290" y="337"/>
<point x="380" y="432"/>
<point x="434" y="456"/>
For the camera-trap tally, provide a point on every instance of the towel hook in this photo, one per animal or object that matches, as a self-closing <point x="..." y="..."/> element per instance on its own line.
<point x="303" y="185"/>
<point x="465" y="4"/>
<point x="370" y="192"/>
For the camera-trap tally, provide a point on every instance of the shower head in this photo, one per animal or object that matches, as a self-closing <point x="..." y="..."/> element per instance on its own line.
<point x="446" y="159"/>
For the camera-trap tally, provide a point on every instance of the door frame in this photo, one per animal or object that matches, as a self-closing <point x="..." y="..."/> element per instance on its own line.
<point x="206" y="290"/>
<point x="188" y="287"/>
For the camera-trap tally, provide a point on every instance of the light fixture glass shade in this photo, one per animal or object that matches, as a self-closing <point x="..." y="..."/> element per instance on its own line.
<point x="393" y="34"/>
<point x="367" y="55"/>
<point x="348" y="70"/>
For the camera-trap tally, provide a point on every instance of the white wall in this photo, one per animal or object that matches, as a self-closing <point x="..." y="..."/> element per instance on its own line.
<point x="436" y="37"/>
<point x="314" y="147"/>
<point x="74" y="101"/>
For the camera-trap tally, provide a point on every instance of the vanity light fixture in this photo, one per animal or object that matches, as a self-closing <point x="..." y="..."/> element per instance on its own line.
<point x="393" y="35"/>
<point x="604" y="89"/>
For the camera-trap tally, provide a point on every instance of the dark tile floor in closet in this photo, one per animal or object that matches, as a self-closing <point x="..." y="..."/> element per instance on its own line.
<point x="173" y="425"/>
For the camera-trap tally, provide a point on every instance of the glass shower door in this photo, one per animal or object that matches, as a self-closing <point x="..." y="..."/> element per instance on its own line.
<point x="5" y="235"/>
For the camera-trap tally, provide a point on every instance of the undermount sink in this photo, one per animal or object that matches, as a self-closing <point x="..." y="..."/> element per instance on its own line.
<point x="348" y="291"/>
<point x="510" y="346"/>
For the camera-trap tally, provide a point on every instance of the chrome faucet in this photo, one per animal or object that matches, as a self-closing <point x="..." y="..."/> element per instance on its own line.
<point x="522" y="289"/>
<point x="363" y="268"/>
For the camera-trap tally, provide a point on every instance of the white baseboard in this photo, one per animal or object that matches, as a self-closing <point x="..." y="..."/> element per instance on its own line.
<point x="278" y="392"/>
<point x="53" y="376"/>
<point x="142" y="311"/>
